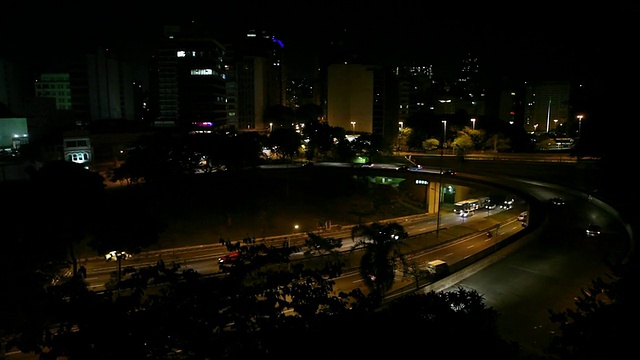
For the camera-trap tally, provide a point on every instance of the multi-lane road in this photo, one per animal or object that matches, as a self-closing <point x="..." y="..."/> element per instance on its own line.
<point x="544" y="270"/>
<point x="203" y="258"/>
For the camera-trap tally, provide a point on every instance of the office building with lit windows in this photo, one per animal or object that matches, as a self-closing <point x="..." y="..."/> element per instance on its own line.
<point x="189" y="80"/>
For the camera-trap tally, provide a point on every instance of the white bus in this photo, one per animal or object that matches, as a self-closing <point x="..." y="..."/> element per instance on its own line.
<point x="466" y="205"/>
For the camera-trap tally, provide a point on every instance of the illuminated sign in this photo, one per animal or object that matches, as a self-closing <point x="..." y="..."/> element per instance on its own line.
<point x="204" y="72"/>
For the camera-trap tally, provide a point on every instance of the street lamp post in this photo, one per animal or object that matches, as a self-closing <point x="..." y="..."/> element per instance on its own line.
<point x="400" y="128"/>
<point x="295" y="228"/>
<point x="118" y="256"/>
<point x="444" y="136"/>
<point x="555" y="124"/>
<point x="473" y="123"/>
<point x="579" y="123"/>
<point x="353" y="127"/>
<point x="270" y="127"/>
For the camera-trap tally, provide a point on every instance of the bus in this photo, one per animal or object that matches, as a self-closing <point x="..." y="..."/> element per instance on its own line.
<point x="466" y="205"/>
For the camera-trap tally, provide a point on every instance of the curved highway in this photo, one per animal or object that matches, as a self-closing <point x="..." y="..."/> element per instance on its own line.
<point x="548" y="268"/>
<point x="545" y="269"/>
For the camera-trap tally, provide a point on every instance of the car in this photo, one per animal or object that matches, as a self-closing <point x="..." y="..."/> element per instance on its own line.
<point x="489" y="204"/>
<point x="466" y="213"/>
<point x="507" y="204"/>
<point x="557" y="201"/>
<point x="229" y="258"/>
<point x="523" y="216"/>
<point x="449" y="172"/>
<point x="594" y="230"/>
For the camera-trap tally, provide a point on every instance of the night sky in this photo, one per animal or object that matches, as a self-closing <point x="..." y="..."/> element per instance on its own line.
<point x="539" y="40"/>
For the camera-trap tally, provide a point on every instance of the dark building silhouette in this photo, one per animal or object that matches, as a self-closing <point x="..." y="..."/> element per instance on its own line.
<point x="188" y="79"/>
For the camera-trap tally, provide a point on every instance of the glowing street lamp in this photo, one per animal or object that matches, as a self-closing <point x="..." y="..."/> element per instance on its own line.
<point x="473" y="122"/>
<point x="270" y="127"/>
<point x="555" y="124"/>
<point x="118" y="256"/>
<point x="444" y="137"/>
<point x="579" y="123"/>
<point x="353" y="127"/>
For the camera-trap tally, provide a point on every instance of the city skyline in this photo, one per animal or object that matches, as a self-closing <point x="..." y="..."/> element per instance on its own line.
<point x="562" y="43"/>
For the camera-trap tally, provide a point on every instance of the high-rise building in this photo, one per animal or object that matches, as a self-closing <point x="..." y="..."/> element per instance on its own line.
<point x="101" y="88"/>
<point x="547" y="107"/>
<point x="189" y="79"/>
<point x="414" y="83"/>
<point x="55" y="86"/>
<point x="360" y="99"/>
<point x="255" y="79"/>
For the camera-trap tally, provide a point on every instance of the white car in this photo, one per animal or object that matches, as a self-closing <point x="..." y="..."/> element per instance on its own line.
<point x="593" y="230"/>
<point x="466" y="213"/>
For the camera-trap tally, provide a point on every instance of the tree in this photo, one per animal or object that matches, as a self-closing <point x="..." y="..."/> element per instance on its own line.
<point x="279" y="116"/>
<point x="463" y="144"/>
<point x="316" y="244"/>
<point x="61" y="188"/>
<point x="416" y="272"/>
<point x="285" y="142"/>
<point x="403" y="137"/>
<point x="320" y="139"/>
<point x="430" y="144"/>
<point x="370" y="145"/>
<point x="595" y="328"/>
<point x="382" y="249"/>
<point x="498" y="143"/>
<point x="126" y="224"/>
<point x="309" y="113"/>
<point x="157" y="157"/>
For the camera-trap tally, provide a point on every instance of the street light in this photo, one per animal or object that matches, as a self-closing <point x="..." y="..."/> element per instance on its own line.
<point x="473" y="122"/>
<point x="444" y="137"/>
<point x="579" y="123"/>
<point x="353" y="127"/>
<point x="555" y="124"/>
<point x="270" y="127"/>
<point x="295" y="227"/>
<point x="118" y="256"/>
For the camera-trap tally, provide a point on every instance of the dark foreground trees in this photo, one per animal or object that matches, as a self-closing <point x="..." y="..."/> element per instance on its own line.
<point x="268" y="314"/>
<point x="269" y="309"/>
